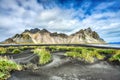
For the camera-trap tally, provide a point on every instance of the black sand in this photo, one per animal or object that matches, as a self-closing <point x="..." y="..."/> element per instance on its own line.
<point x="64" y="68"/>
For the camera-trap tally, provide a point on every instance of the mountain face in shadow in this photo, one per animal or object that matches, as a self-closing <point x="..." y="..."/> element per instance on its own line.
<point x="43" y="36"/>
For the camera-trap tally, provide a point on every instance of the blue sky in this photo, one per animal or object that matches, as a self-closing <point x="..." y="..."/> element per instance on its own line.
<point x="66" y="16"/>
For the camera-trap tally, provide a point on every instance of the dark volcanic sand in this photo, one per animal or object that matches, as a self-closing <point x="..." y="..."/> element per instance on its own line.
<point x="63" y="68"/>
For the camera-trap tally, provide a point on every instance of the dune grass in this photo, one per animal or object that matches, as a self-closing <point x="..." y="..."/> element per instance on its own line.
<point x="44" y="55"/>
<point x="11" y="48"/>
<point x="64" y="48"/>
<point x="7" y="65"/>
<point x="85" y="55"/>
<point x="116" y="57"/>
<point x="23" y="48"/>
<point x="106" y="51"/>
<point x="3" y="50"/>
<point x="16" y="51"/>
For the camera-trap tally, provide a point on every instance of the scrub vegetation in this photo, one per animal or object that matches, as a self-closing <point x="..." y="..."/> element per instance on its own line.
<point x="3" y="50"/>
<point x="44" y="55"/>
<point x="6" y="66"/>
<point x="116" y="57"/>
<point x="106" y="51"/>
<point x="85" y="55"/>
<point x="16" y="51"/>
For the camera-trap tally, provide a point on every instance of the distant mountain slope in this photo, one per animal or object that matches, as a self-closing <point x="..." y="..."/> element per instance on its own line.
<point x="38" y="36"/>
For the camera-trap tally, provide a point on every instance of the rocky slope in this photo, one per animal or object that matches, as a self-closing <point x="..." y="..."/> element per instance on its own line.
<point x="38" y="36"/>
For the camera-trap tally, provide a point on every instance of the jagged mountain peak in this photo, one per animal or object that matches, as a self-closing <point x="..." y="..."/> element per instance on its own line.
<point x="88" y="30"/>
<point x="26" y="30"/>
<point x="58" y="34"/>
<point x="44" y="31"/>
<point x="80" y="31"/>
<point x="35" y="30"/>
<point x="83" y="31"/>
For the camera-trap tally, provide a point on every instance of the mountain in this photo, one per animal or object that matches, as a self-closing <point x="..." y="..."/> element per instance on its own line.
<point x="43" y="36"/>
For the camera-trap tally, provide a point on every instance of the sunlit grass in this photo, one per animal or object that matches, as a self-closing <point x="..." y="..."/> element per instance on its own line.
<point x="64" y="48"/>
<point x="16" y="51"/>
<point x="11" y="48"/>
<point x="7" y="65"/>
<point x="96" y="54"/>
<point x="115" y="57"/>
<point x="72" y="54"/>
<point x="23" y="48"/>
<point x="106" y="51"/>
<point x="3" y="50"/>
<point x="85" y="55"/>
<point x="44" y="55"/>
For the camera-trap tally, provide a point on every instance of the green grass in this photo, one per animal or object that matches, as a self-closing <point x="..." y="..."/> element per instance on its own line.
<point x="106" y="51"/>
<point x="53" y="48"/>
<point x="116" y="57"/>
<point x="16" y="51"/>
<point x="11" y="48"/>
<point x="72" y="54"/>
<point x="77" y="49"/>
<point x="3" y="50"/>
<point x="44" y="55"/>
<point x="64" y="48"/>
<point x="98" y="55"/>
<point x="6" y="66"/>
<point x="85" y="55"/>
<point x="23" y="48"/>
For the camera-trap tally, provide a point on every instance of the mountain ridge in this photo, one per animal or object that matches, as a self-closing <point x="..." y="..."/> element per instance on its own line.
<point x="43" y="36"/>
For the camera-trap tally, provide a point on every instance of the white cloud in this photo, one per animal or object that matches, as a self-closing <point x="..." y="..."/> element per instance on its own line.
<point x="104" y="5"/>
<point x="56" y="19"/>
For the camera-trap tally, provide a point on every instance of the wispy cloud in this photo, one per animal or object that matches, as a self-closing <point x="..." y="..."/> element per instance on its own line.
<point x="62" y="16"/>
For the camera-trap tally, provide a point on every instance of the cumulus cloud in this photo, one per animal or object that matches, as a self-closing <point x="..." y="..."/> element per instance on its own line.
<point x="18" y="15"/>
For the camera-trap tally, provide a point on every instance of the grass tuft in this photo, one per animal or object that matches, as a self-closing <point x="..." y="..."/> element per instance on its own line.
<point x="3" y="50"/>
<point x="85" y="55"/>
<point x="106" y="51"/>
<point x="7" y="65"/>
<point x="116" y="57"/>
<point x="44" y="55"/>
<point x="16" y="51"/>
